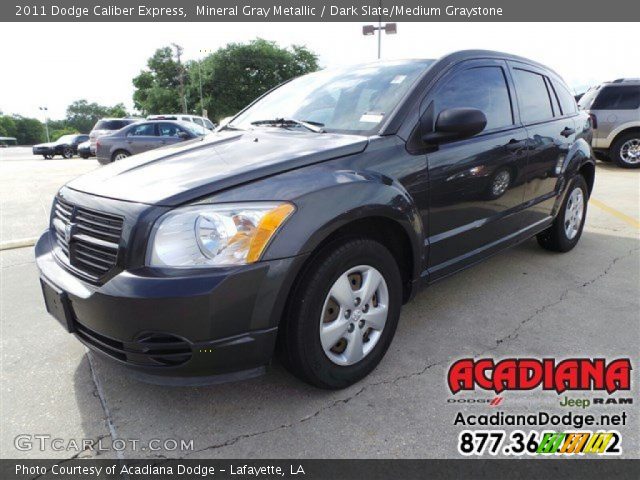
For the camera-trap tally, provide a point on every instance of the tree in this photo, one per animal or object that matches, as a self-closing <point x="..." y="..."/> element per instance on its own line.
<point x="82" y="115"/>
<point x="7" y="126"/>
<point x="158" y="87"/>
<point x="28" y="130"/>
<point x="234" y="76"/>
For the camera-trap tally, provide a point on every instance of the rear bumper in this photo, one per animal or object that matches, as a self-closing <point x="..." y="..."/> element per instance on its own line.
<point x="177" y="325"/>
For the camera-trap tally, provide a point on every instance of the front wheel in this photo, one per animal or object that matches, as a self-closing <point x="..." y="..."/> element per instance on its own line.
<point x="48" y="157"/>
<point x="343" y="314"/>
<point x="566" y="230"/>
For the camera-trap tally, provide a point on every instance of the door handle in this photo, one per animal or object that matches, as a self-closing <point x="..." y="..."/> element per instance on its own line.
<point x="567" y="132"/>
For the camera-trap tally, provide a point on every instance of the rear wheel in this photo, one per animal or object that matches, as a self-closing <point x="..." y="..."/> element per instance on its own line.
<point x="625" y="151"/>
<point x="566" y="230"/>
<point x="67" y="152"/>
<point x="84" y="156"/>
<point x="343" y="314"/>
<point x="120" y="155"/>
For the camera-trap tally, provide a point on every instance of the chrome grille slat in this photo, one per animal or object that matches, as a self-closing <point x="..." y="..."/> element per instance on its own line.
<point x="92" y="249"/>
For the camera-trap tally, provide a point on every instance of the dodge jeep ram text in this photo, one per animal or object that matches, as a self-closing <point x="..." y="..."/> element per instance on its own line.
<point x="303" y="225"/>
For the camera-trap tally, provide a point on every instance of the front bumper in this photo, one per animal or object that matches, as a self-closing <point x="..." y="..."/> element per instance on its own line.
<point x="168" y="324"/>
<point x="43" y="151"/>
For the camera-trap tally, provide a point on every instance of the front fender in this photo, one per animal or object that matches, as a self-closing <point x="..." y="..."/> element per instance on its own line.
<point x="345" y="197"/>
<point x="327" y="197"/>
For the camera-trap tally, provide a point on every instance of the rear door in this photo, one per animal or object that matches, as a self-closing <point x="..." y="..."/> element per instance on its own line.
<point x="475" y="185"/>
<point x="550" y="134"/>
<point x="142" y="137"/>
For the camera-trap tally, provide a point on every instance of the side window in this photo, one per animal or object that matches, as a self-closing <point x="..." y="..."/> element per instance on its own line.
<point x="198" y="121"/>
<point x="533" y="97"/>
<point x="484" y="88"/>
<point x="168" y="130"/>
<point x="208" y="124"/>
<point x="617" y="98"/>
<point x="143" y="130"/>
<point x="567" y="101"/>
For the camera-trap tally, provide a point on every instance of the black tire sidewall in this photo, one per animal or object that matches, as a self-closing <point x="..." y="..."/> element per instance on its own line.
<point x="316" y="367"/>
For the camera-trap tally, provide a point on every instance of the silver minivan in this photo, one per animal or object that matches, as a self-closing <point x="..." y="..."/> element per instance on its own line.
<point x="614" y="108"/>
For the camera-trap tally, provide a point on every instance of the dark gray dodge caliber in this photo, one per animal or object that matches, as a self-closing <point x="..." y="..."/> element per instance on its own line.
<point x="303" y="226"/>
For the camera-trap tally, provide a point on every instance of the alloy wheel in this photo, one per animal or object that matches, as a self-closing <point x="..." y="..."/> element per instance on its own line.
<point x="574" y="211"/>
<point x="630" y="151"/>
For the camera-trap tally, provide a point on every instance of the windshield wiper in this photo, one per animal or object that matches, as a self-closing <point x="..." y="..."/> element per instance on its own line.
<point x="283" y="122"/>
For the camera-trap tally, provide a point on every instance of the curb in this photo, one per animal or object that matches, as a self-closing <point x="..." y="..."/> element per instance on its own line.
<point x="15" y="244"/>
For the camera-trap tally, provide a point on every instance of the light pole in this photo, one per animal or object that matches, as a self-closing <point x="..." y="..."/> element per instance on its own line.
<point x="200" y="79"/>
<point x="46" y="121"/>
<point x="389" y="29"/>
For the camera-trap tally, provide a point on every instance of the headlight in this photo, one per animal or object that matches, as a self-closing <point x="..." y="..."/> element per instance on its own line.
<point x="215" y="235"/>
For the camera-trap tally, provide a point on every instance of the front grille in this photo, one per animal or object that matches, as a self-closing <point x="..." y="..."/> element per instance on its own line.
<point x="88" y="240"/>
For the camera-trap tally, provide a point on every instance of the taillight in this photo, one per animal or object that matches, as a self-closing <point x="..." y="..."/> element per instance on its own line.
<point x="594" y="121"/>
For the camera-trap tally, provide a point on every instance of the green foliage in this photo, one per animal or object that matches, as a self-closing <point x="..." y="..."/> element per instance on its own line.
<point x="28" y="131"/>
<point x="157" y="88"/>
<point x="82" y="115"/>
<point x="232" y="77"/>
<point x="7" y="126"/>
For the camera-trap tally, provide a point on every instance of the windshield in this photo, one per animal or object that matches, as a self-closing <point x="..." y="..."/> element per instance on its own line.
<point x="347" y="100"/>
<point x="195" y="129"/>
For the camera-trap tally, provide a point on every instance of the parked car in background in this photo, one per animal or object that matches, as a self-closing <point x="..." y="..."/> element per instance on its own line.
<point x="84" y="150"/>
<point x="107" y="126"/>
<point x="614" y="108"/>
<point x="201" y="121"/>
<point x="67" y="146"/>
<point x="306" y="224"/>
<point x="142" y="136"/>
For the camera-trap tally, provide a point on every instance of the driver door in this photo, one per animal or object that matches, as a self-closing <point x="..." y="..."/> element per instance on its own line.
<point x="476" y="185"/>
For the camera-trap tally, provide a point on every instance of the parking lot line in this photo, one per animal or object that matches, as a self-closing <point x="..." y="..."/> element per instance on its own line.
<point x="21" y="243"/>
<point x="616" y="213"/>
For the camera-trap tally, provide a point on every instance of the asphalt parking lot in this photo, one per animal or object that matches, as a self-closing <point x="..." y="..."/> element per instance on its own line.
<point x="524" y="302"/>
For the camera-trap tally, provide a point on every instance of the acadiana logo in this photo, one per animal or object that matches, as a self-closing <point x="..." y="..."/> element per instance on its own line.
<point x="547" y="373"/>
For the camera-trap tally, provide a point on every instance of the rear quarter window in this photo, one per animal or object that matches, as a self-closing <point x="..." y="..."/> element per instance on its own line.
<point x="618" y="98"/>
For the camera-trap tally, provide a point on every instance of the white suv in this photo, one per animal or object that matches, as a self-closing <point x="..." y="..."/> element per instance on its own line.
<point x="614" y="108"/>
<point x="202" y="121"/>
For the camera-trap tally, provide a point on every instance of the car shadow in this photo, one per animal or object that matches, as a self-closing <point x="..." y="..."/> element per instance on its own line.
<point x="471" y="313"/>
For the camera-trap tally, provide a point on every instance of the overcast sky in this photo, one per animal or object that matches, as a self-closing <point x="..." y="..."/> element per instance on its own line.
<point x="53" y="64"/>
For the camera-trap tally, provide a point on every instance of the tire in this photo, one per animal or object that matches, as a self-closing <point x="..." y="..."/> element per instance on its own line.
<point x="67" y="153"/>
<point x="310" y="305"/>
<point x="84" y="156"/>
<point x="48" y="157"/>
<point x="625" y="151"/>
<point x="565" y="233"/>
<point x="119" y="155"/>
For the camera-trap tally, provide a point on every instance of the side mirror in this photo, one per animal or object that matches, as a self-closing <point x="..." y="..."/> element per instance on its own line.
<point x="456" y="124"/>
<point x="184" y="135"/>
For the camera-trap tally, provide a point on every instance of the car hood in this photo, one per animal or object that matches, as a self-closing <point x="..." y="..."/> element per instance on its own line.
<point x="41" y="145"/>
<point x="189" y="170"/>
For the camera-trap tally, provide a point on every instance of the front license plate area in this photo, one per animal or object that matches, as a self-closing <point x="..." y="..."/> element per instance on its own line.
<point x="58" y="305"/>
